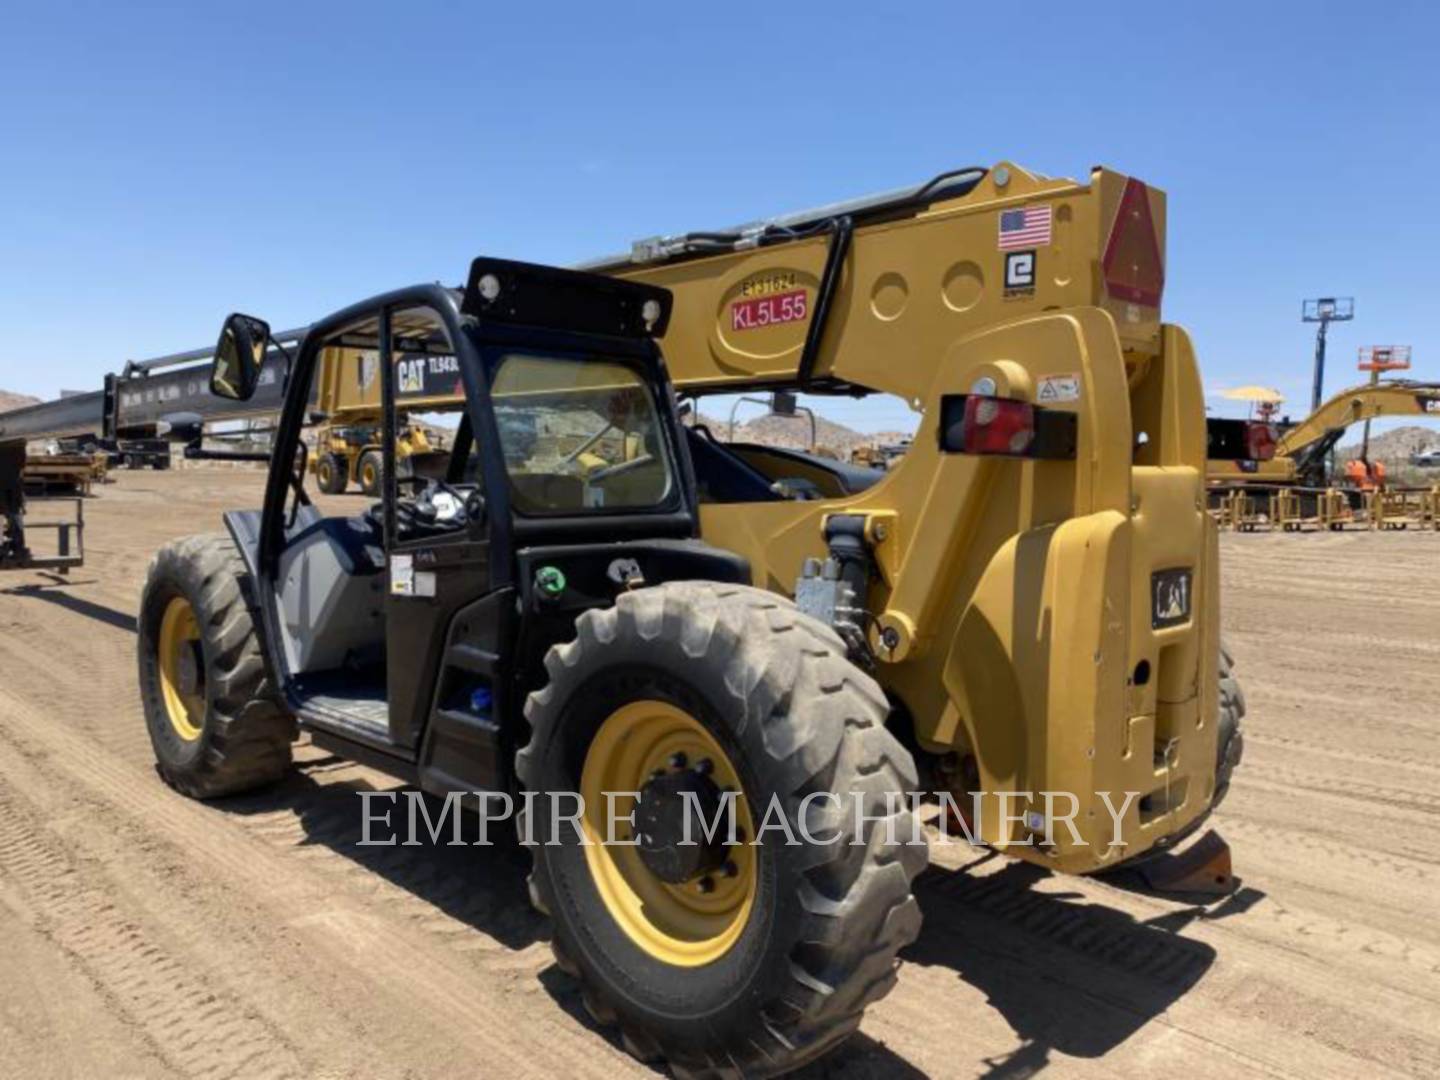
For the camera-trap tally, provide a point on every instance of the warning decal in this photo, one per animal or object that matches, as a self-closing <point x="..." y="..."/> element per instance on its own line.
<point x="1056" y="388"/>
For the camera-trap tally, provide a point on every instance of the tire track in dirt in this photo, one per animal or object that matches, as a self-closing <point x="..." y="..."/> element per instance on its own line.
<point x="191" y="1027"/>
<point x="371" y="955"/>
<point x="417" y="962"/>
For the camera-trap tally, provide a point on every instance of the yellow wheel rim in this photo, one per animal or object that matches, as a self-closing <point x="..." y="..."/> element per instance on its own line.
<point x="686" y="924"/>
<point x="326" y="469"/>
<point x="367" y="474"/>
<point x="181" y="669"/>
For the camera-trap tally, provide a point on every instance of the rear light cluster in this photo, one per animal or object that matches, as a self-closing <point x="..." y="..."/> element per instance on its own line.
<point x="1260" y="440"/>
<point x="997" y="426"/>
<point x="981" y="424"/>
<point x="1240" y="440"/>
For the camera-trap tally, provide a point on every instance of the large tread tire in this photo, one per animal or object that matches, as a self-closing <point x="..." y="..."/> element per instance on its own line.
<point x="1229" y="737"/>
<point x="822" y="941"/>
<point x="332" y="474"/>
<point x="370" y="470"/>
<point x="246" y="735"/>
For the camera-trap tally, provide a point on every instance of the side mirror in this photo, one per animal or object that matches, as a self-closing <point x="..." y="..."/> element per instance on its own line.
<point x="235" y="371"/>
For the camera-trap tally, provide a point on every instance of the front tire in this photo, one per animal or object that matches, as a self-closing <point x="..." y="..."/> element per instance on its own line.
<point x="775" y="962"/>
<point x="332" y="474"/>
<point x="371" y="473"/>
<point x="215" y="727"/>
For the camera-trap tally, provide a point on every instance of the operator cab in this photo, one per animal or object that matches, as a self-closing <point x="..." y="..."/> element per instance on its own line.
<point x="395" y="629"/>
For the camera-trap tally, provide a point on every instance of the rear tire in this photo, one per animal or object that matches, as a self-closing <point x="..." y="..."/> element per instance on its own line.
<point x="371" y="473"/>
<point x="214" y="723"/>
<point x="332" y="474"/>
<point x="818" y="942"/>
<point x="1229" y="738"/>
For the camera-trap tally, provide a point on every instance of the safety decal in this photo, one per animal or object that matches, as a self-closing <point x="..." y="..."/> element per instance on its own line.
<point x="1169" y="598"/>
<point x="1057" y="388"/>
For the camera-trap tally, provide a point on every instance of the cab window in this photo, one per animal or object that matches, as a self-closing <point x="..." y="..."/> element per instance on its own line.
<point x="579" y="435"/>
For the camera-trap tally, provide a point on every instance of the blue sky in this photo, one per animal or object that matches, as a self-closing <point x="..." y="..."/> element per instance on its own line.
<point x="162" y="165"/>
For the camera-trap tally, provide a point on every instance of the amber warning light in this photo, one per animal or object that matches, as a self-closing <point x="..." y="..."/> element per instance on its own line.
<point x="1133" y="267"/>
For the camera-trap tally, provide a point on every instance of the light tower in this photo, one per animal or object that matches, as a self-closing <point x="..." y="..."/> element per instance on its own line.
<point x="1325" y="310"/>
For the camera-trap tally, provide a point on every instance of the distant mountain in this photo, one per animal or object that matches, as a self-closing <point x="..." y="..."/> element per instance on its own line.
<point x="10" y="401"/>
<point x="790" y="432"/>
<point x="1394" y="447"/>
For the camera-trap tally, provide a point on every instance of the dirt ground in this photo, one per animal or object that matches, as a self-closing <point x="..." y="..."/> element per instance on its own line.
<point x="146" y="935"/>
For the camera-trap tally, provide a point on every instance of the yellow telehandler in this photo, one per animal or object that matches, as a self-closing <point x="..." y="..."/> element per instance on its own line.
<point x="1018" y="622"/>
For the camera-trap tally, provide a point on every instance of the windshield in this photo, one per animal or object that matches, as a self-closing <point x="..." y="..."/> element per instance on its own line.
<point x="579" y="435"/>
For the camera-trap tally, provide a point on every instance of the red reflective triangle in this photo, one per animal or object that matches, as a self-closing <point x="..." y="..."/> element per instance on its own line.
<point x="1132" y="266"/>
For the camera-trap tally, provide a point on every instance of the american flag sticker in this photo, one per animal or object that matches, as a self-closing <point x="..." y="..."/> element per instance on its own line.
<point x="1025" y="228"/>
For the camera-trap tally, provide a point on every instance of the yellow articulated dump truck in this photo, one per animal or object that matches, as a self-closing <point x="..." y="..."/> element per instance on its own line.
<point x="349" y="415"/>
<point x="1034" y="583"/>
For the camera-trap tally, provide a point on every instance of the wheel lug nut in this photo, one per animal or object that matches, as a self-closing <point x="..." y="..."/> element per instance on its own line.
<point x="704" y="766"/>
<point x="706" y="885"/>
<point x="677" y="760"/>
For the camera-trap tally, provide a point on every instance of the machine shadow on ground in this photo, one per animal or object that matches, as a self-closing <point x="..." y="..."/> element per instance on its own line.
<point x="49" y="593"/>
<point x="1068" y="975"/>
<point x="484" y="887"/>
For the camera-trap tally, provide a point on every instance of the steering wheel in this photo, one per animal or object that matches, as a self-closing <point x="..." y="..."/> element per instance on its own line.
<point x="601" y="475"/>
<point x="428" y="482"/>
<point x="421" y="511"/>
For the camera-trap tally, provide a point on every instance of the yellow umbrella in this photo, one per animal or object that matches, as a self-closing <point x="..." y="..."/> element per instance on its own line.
<point x="1255" y="393"/>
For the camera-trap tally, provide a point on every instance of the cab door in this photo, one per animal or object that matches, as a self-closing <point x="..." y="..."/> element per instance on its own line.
<point x="437" y="547"/>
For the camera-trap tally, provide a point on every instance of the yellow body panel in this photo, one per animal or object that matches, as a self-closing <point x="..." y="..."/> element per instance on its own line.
<point x="1017" y="592"/>
<point x="908" y="285"/>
